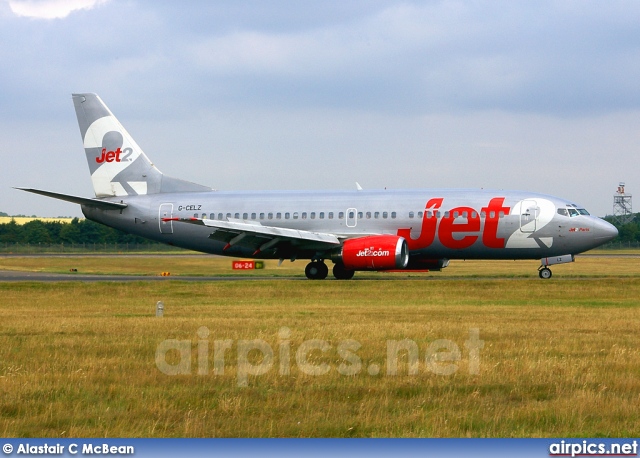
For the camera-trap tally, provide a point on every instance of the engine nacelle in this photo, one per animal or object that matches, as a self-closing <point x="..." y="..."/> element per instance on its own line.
<point x="373" y="252"/>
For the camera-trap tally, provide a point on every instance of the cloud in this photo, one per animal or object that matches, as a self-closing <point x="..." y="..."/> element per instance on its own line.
<point x="51" y="9"/>
<point x="435" y="57"/>
<point x="284" y="93"/>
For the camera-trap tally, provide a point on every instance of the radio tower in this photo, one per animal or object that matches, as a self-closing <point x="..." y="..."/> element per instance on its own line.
<point x="622" y="213"/>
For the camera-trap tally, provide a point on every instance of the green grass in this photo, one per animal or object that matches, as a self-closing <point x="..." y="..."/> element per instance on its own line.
<point x="560" y="358"/>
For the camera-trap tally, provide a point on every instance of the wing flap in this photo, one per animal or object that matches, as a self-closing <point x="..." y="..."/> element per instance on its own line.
<point x="255" y="235"/>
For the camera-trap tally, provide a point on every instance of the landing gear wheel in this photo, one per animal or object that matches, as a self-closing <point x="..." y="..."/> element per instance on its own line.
<point x="341" y="273"/>
<point x="545" y="273"/>
<point x="316" y="270"/>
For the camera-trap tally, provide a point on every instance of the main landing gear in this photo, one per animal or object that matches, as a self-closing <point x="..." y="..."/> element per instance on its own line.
<point x="316" y="270"/>
<point x="342" y="273"/>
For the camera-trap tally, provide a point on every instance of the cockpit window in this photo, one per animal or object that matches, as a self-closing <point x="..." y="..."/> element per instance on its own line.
<point x="572" y="210"/>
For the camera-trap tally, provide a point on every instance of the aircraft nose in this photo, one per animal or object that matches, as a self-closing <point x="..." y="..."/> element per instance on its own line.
<point x="604" y="231"/>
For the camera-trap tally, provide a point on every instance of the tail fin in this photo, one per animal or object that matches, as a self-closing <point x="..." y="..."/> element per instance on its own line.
<point x="117" y="164"/>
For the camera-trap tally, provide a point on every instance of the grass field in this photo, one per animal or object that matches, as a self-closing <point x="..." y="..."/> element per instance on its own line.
<point x="609" y="263"/>
<point x="559" y="358"/>
<point x="25" y="219"/>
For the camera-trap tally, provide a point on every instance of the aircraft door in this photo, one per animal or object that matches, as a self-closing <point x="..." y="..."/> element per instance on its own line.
<point x="166" y="211"/>
<point x="352" y="217"/>
<point x="529" y="214"/>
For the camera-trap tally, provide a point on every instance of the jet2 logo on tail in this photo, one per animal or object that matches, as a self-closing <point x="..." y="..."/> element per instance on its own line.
<point x="114" y="156"/>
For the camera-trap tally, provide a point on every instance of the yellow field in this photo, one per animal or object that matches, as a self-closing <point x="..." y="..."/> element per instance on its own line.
<point x="24" y="219"/>
<point x="558" y="358"/>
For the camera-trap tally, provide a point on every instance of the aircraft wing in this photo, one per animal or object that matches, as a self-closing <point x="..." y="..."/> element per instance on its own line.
<point x="261" y="238"/>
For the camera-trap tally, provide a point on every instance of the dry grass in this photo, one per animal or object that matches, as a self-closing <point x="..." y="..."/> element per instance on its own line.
<point x="560" y="358"/>
<point x="26" y="219"/>
<point x="207" y="265"/>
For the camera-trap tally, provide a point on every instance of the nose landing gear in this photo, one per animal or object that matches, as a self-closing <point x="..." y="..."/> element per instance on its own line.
<point x="544" y="272"/>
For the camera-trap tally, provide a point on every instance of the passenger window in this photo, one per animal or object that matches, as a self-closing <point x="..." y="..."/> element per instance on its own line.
<point x="446" y="214"/>
<point x="341" y="215"/>
<point x="304" y="215"/>
<point x="410" y="214"/>
<point x="492" y="214"/>
<point x="330" y="215"/>
<point x="270" y="216"/>
<point x="287" y="215"/>
<point x="456" y="214"/>
<point x="368" y="215"/>
<point x="312" y="215"/>
<point x="195" y="215"/>
<point x="393" y="215"/>
<point x="420" y="214"/>
<point x="295" y="215"/>
<point x="501" y="214"/>
<point x="278" y="215"/>
<point x="237" y="215"/>
<point x="261" y="215"/>
<point x="220" y="216"/>
<point x="228" y="215"/>
<point x="360" y="215"/>
<point x="253" y="216"/>
<point x="245" y="216"/>
<point x="376" y="215"/>
<point x="321" y="215"/>
<point x="385" y="215"/>
<point x="352" y="215"/>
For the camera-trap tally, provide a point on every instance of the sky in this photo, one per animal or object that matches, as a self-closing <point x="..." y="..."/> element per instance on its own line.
<point x="542" y="96"/>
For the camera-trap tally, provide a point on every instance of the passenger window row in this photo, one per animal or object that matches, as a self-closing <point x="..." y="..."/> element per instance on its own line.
<point x="351" y="215"/>
<point x="457" y="214"/>
<point x="293" y="215"/>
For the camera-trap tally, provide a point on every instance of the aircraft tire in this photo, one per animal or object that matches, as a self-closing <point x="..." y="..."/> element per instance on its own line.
<point x="324" y="270"/>
<point x="316" y="270"/>
<point x="545" y="273"/>
<point x="341" y="273"/>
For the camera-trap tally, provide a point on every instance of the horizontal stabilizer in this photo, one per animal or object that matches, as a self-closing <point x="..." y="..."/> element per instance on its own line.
<point x="97" y="203"/>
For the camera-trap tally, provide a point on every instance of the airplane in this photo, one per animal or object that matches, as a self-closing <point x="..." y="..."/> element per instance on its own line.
<point x="359" y="230"/>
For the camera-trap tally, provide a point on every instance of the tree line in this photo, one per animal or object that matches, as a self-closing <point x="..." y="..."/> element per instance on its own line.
<point x="629" y="232"/>
<point x="76" y="232"/>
